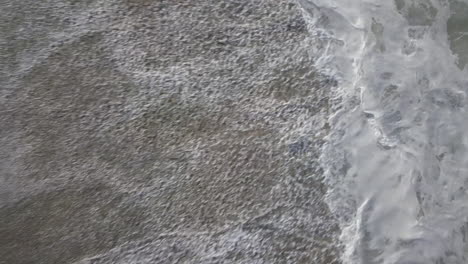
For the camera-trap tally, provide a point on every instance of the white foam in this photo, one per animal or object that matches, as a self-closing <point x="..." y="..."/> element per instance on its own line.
<point x="397" y="157"/>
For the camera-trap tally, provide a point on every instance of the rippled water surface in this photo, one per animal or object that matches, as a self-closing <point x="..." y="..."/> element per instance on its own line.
<point x="161" y="131"/>
<point x="397" y="157"/>
<point x="138" y="131"/>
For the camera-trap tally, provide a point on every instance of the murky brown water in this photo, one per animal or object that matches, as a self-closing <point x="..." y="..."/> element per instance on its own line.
<point x="160" y="132"/>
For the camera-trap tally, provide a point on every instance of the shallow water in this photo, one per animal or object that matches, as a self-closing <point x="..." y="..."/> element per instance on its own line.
<point x="139" y="131"/>
<point x="397" y="157"/>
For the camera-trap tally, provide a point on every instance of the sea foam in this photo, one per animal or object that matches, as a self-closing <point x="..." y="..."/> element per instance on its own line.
<point x="396" y="160"/>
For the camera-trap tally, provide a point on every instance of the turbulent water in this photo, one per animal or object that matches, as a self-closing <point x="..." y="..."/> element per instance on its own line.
<point x="161" y="131"/>
<point x="397" y="157"/>
<point x="136" y="131"/>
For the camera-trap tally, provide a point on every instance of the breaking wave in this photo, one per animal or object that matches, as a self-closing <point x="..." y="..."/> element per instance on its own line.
<point x="396" y="159"/>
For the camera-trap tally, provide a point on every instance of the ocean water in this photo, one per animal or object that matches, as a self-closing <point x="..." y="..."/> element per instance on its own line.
<point x="396" y="160"/>
<point x="158" y="132"/>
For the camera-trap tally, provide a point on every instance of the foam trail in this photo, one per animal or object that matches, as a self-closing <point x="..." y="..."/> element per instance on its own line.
<point x="397" y="157"/>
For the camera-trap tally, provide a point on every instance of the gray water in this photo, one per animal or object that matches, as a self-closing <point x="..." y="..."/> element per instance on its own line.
<point x="137" y="131"/>
<point x="311" y="131"/>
